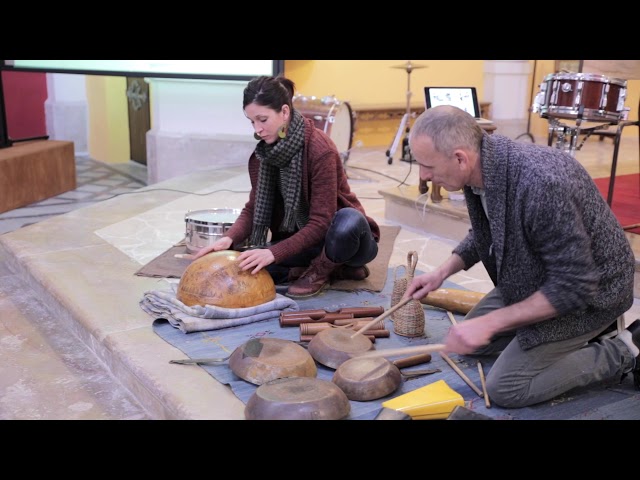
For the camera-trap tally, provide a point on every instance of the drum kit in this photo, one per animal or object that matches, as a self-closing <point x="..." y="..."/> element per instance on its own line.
<point x="581" y="97"/>
<point x="332" y="116"/>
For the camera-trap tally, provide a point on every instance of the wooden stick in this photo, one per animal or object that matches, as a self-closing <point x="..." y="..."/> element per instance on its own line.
<point x="413" y="360"/>
<point x="452" y="318"/>
<point x="461" y="374"/>
<point x="392" y="352"/>
<point x="307" y="338"/>
<point x="487" y="403"/>
<point x="356" y="322"/>
<point x="384" y="315"/>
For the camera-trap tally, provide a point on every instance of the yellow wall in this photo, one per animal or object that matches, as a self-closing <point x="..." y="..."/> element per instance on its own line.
<point x="108" y="118"/>
<point x="367" y="82"/>
<point x="358" y="82"/>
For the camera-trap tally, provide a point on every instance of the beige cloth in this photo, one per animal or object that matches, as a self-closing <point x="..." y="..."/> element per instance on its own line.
<point x="164" y="304"/>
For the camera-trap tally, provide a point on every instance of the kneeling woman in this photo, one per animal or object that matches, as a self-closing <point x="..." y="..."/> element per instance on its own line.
<point x="300" y="193"/>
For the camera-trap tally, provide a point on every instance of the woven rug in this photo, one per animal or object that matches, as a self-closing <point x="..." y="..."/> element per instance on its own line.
<point x="625" y="203"/>
<point x="166" y="265"/>
<point x="603" y="401"/>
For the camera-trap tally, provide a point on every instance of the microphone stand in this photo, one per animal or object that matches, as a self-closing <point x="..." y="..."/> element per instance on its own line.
<point x="528" y="132"/>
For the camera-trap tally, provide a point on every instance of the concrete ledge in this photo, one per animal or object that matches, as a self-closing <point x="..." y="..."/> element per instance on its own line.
<point x="90" y="287"/>
<point x="172" y="155"/>
<point x="405" y="205"/>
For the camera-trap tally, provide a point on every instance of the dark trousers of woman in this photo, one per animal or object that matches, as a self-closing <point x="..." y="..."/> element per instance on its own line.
<point x="348" y="241"/>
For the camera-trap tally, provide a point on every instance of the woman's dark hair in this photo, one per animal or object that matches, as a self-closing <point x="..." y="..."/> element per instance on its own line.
<point x="271" y="92"/>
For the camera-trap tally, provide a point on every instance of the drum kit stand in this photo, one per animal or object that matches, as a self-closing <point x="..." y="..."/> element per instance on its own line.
<point x="528" y="132"/>
<point x="404" y="126"/>
<point x="581" y="98"/>
<point x="567" y="135"/>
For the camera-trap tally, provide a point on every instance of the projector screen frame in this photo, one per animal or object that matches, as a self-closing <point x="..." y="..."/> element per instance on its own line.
<point x="277" y="68"/>
<point x="5" y="141"/>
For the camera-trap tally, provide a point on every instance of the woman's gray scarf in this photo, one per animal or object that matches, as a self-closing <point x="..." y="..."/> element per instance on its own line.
<point x="283" y="157"/>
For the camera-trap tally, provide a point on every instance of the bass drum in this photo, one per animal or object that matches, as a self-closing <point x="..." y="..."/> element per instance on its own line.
<point x="333" y="117"/>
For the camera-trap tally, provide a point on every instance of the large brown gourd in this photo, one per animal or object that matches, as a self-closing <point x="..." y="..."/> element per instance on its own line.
<point x="454" y="300"/>
<point x="216" y="279"/>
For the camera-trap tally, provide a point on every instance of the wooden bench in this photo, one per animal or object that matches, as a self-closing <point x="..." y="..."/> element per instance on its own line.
<point x="35" y="170"/>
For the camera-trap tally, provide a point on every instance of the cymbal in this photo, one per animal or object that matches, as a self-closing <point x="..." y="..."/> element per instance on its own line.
<point x="410" y="66"/>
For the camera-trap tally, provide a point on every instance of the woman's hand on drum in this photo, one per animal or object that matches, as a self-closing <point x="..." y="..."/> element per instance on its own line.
<point x="256" y="259"/>
<point x="223" y="243"/>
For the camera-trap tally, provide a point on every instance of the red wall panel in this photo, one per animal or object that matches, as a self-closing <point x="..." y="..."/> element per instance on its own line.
<point x="24" y="97"/>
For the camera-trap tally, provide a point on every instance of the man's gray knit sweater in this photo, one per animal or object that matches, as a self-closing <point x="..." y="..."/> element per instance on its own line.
<point x="549" y="230"/>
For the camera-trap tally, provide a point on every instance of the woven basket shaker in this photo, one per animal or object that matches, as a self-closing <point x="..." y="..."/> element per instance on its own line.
<point x="409" y="320"/>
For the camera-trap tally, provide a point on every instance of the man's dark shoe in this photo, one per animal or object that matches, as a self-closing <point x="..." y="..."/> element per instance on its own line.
<point x="634" y="329"/>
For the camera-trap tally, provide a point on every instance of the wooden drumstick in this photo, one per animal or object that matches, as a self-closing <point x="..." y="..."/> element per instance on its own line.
<point x="487" y="403"/>
<point x="452" y="318"/>
<point x="384" y="315"/>
<point x="392" y="352"/>
<point x="461" y="374"/>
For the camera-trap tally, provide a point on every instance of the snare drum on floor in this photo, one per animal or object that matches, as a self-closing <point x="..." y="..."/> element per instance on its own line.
<point x="330" y="115"/>
<point x="204" y="227"/>
<point x="564" y="95"/>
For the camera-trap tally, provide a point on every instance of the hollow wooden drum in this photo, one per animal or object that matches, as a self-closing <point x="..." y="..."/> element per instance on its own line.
<point x="216" y="279"/>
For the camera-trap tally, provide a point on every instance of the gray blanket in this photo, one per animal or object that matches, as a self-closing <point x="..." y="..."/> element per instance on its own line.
<point x="164" y="304"/>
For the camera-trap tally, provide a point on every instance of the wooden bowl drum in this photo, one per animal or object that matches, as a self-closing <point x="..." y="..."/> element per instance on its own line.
<point x="216" y="279"/>
<point x="298" y="398"/>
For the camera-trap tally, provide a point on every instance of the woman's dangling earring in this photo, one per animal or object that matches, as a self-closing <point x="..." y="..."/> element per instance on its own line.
<point x="256" y="136"/>
<point x="282" y="131"/>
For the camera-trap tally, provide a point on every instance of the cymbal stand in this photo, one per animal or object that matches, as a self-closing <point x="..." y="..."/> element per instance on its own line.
<point x="528" y="132"/>
<point x="404" y="126"/>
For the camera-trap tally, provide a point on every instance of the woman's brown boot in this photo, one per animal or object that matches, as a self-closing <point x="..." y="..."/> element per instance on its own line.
<point x="315" y="278"/>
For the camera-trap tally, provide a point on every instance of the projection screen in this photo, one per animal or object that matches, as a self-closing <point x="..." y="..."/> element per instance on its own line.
<point x="206" y="69"/>
<point x="230" y="70"/>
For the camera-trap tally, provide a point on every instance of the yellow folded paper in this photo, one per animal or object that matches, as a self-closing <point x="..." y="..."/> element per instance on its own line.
<point x="431" y="402"/>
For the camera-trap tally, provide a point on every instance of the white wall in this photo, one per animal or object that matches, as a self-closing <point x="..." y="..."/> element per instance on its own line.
<point x="506" y="86"/>
<point x="66" y="111"/>
<point x="196" y="125"/>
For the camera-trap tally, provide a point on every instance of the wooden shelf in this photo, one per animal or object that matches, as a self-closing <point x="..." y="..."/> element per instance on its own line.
<point x="35" y="171"/>
<point x="389" y="111"/>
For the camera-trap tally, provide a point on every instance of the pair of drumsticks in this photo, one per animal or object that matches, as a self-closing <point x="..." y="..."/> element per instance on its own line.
<point x="482" y="393"/>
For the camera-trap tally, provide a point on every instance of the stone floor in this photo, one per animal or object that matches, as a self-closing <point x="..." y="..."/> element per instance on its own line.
<point x="95" y="182"/>
<point x="46" y="373"/>
<point x="74" y="343"/>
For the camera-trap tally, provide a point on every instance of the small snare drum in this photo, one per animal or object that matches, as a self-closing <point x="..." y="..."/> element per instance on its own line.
<point x="567" y="95"/>
<point x="205" y="227"/>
